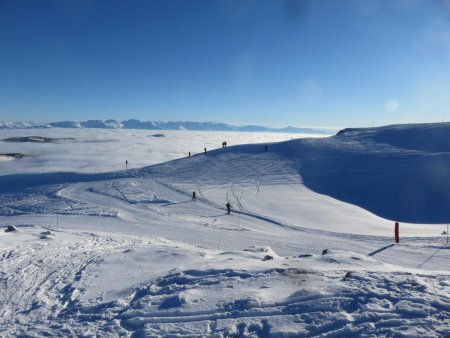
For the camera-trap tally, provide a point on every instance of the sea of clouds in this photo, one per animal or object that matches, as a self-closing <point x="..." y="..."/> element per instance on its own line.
<point x="103" y="150"/>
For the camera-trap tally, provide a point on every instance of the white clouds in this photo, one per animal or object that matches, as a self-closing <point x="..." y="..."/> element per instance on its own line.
<point x="101" y="150"/>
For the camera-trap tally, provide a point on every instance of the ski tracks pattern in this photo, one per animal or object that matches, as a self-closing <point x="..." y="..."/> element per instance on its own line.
<point x="39" y="283"/>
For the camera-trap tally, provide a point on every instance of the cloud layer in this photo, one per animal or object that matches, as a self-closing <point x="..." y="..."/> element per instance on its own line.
<point x="100" y="150"/>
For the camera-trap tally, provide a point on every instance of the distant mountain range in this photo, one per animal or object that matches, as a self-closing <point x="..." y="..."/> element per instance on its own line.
<point x="159" y="125"/>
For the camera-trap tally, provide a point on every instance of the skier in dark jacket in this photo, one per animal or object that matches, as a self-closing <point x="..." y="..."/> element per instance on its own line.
<point x="228" y="205"/>
<point x="194" y="196"/>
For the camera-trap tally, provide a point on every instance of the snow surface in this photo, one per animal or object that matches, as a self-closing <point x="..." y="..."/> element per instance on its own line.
<point x="128" y="253"/>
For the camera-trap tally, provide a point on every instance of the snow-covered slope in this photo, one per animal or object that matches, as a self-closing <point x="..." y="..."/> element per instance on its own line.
<point x="365" y="167"/>
<point x="398" y="172"/>
<point x="129" y="253"/>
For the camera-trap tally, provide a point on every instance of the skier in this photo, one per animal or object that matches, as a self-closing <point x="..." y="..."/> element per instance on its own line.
<point x="189" y="154"/>
<point x="194" y="196"/>
<point x="265" y="147"/>
<point x="126" y="164"/>
<point x="204" y="149"/>
<point x="228" y="205"/>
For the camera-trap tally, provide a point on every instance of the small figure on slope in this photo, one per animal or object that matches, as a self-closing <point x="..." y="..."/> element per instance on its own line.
<point x="194" y="196"/>
<point x="228" y="205"/>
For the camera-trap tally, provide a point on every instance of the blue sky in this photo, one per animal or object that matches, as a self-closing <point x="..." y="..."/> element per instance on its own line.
<point x="291" y="62"/>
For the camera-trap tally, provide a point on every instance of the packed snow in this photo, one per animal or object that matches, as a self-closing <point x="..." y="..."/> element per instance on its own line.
<point x="130" y="253"/>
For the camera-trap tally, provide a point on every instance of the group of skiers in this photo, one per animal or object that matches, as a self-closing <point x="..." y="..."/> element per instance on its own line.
<point x="224" y="145"/>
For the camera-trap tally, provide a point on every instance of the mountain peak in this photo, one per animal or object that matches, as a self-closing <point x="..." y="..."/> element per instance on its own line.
<point x="160" y="125"/>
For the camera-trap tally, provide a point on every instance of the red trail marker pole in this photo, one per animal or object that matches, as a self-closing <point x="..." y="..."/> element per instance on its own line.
<point x="397" y="237"/>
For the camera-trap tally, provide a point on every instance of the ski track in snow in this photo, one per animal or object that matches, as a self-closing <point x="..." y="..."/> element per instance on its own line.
<point x="57" y="275"/>
<point x="43" y="289"/>
<point x="134" y="256"/>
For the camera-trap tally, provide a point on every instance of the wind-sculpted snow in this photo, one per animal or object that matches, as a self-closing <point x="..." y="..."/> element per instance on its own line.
<point x="46" y="287"/>
<point x="131" y="254"/>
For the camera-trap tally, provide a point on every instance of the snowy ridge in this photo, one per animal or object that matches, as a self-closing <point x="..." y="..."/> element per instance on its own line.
<point x="21" y="125"/>
<point x="398" y="172"/>
<point x="160" y="125"/>
<point x="129" y="253"/>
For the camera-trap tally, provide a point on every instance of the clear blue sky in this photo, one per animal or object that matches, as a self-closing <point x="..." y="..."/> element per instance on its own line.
<point x="316" y="62"/>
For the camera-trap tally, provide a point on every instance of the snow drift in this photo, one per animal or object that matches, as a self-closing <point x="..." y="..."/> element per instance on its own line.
<point x="128" y="253"/>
